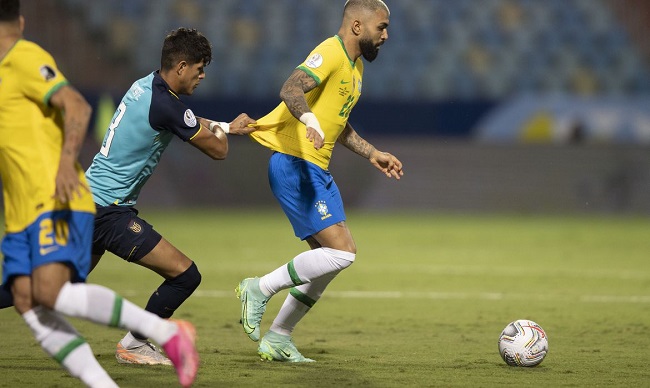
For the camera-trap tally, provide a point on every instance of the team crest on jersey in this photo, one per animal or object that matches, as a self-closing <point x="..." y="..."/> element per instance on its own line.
<point x="359" y="86"/>
<point x="47" y="72"/>
<point x="315" y="61"/>
<point x="190" y="119"/>
<point x="321" y="208"/>
<point x="135" y="227"/>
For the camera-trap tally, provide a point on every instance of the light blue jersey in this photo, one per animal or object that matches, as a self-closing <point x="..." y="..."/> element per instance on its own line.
<point x="148" y="117"/>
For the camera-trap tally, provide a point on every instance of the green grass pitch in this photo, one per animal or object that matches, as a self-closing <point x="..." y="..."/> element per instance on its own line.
<point x="422" y="306"/>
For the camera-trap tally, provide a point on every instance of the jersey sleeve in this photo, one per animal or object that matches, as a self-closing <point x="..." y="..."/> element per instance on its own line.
<point x="323" y="61"/>
<point x="40" y="75"/>
<point x="170" y="114"/>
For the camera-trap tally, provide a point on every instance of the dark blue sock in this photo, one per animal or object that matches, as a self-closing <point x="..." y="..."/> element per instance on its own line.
<point x="171" y="294"/>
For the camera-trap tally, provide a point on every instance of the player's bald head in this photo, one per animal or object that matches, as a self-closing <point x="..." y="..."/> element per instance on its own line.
<point x="353" y="8"/>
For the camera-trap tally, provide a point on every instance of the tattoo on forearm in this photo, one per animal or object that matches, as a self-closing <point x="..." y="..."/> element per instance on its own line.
<point x="355" y="143"/>
<point x="73" y="138"/>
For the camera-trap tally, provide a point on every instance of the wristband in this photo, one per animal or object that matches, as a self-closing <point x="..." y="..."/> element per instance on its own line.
<point x="225" y="127"/>
<point x="310" y="120"/>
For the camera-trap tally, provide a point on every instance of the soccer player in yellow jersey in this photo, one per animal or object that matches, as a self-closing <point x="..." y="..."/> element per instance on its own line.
<point x="49" y="215"/>
<point x="316" y="103"/>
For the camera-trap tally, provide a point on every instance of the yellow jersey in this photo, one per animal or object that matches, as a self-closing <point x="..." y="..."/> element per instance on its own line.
<point x="31" y="137"/>
<point x="339" y="82"/>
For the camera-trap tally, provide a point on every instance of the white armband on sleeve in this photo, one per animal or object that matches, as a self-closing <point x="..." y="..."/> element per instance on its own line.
<point x="310" y="120"/>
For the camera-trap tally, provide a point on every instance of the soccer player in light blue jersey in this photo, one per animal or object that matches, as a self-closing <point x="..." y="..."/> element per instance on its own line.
<point x="149" y="116"/>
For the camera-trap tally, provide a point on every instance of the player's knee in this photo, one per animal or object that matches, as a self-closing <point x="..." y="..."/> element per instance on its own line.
<point x="22" y="302"/>
<point x="341" y="259"/>
<point x="45" y="297"/>
<point x="195" y="276"/>
<point x="189" y="280"/>
<point x="349" y="247"/>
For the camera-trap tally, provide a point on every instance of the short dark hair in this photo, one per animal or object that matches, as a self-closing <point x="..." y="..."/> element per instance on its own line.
<point x="185" y="44"/>
<point x="9" y="10"/>
<point x="371" y="5"/>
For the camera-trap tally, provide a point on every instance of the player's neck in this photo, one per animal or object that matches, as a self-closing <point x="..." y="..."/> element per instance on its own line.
<point x="8" y="38"/>
<point x="351" y="46"/>
<point x="167" y="76"/>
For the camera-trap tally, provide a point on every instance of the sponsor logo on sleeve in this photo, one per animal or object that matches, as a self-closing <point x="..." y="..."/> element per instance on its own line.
<point x="189" y="118"/>
<point x="315" y="61"/>
<point x="47" y="72"/>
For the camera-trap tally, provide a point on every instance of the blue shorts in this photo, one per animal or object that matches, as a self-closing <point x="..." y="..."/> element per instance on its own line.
<point x="62" y="236"/>
<point x="307" y="194"/>
<point x="119" y="230"/>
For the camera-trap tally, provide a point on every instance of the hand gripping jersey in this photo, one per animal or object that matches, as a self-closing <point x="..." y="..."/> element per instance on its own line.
<point x="31" y="136"/>
<point x="148" y="117"/>
<point x="339" y="88"/>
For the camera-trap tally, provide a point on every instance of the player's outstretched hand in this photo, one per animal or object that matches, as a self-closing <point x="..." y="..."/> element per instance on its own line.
<point x="386" y="163"/>
<point x="242" y="125"/>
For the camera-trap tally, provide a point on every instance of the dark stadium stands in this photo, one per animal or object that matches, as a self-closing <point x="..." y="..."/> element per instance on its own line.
<point x="438" y="49"/>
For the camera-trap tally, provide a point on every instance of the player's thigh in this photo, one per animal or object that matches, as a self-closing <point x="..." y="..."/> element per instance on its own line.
<point x="337" y="236"/>
<point x="47" y="281"/>
<point x="166" y="260"/>
<point x="311" y="201"/>
<point x="52" y="250"/>
<point x="119" y="230"/>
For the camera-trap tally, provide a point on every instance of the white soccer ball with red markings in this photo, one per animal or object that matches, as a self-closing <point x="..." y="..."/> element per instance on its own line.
<point x="523" y="343"/>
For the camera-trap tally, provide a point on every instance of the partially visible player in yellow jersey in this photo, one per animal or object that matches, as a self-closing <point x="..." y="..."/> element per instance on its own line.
<point x="49" y="215"/>
<point x="31" y="138"/>
<point x="312" y="117"/>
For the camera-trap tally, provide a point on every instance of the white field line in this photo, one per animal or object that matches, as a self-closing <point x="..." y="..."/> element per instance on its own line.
<point x="486" y="296"/>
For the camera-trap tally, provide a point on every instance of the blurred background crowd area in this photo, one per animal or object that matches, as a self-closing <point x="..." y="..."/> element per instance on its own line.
<point x="492" y="105"/>
<point x="437" y="49"/>
<point x="449" y="63"/>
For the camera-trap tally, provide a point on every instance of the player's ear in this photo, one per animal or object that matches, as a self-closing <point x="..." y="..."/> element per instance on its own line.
<point x="21" y="23"/>
<point x="180" y="67"/>
<point x="356" y="27"/>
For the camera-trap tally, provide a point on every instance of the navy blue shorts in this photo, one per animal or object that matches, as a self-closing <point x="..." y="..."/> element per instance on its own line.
<point x="119" y="230"/>
<point x="307" y="194"/>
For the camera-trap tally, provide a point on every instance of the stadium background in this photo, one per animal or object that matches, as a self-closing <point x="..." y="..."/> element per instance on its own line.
<point x="493" y="105"/>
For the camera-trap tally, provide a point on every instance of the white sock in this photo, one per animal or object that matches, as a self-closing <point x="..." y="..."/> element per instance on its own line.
<point x="298" y="303"/>
<point x="102" y="305"/>
<point x="82" y="363"/>
<point x="304" y="268"/>
<point x="62" y="342"/>
<point x="130" y="342"/>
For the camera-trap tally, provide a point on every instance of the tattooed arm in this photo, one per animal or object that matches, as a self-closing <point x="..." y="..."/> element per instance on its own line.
<point x="355" y="143"/>
<point x="383" y="161"/>
<point x="76" y="118"/>
<point x="293" y="94"/>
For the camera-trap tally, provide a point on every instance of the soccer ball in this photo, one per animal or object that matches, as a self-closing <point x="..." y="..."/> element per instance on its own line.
<point x="523" y="343"/>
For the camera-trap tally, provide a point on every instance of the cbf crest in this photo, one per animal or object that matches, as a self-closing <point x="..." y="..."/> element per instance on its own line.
<point x="322" y="209"/>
